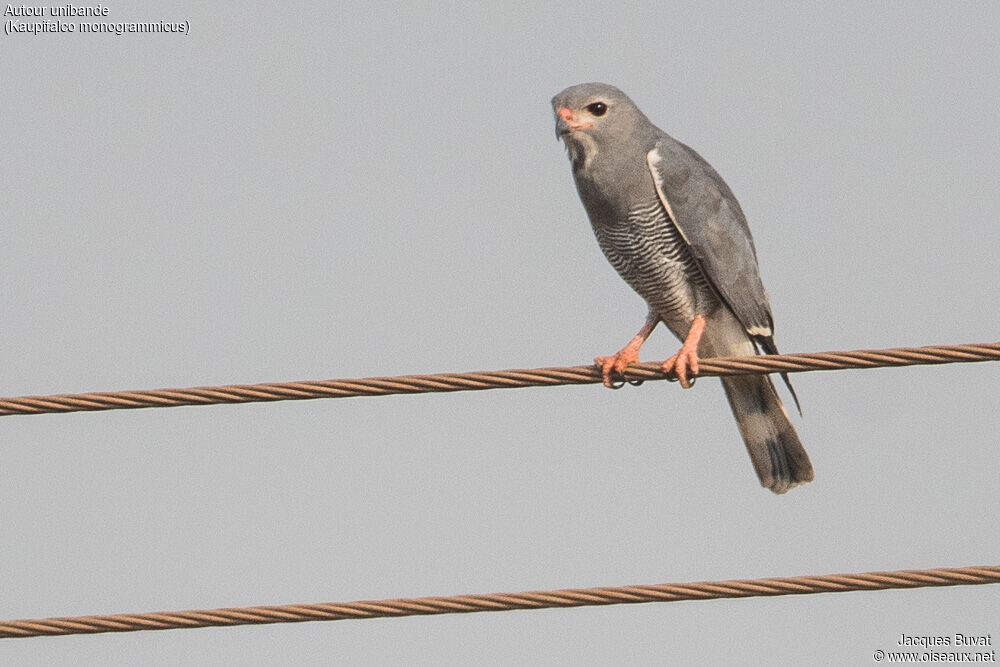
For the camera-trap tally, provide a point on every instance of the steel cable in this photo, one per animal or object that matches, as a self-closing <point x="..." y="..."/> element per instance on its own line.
<point x="505" y="379"/>
<point x="461" y="604"/>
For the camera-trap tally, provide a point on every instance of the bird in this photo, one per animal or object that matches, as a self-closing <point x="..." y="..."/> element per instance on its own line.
<point x="674" y="231"/>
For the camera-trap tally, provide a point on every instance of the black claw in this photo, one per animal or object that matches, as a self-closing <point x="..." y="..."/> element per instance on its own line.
<point x="619" y="380"/>
<point x="672" y="377"/>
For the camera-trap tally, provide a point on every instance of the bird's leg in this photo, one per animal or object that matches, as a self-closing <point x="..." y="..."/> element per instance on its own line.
<point x="687" y="356"/>
<point x="628" y="354"/>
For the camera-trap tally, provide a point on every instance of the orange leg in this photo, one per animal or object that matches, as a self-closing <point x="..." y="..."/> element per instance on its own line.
<point x="687" y="357"/>
<point x="628" y="354"/>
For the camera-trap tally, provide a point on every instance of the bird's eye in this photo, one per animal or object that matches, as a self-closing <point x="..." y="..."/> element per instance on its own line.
<point x="597" y="108"/>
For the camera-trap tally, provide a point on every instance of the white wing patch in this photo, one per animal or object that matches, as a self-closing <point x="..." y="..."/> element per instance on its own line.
<point x="653" y="161"/>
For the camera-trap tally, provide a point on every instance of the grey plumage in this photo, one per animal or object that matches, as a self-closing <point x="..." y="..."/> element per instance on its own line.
<point x="675" y="232"/>
<point x="648" y="251"/>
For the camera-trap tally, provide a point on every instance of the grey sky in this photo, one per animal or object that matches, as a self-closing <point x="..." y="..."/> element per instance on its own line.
<point x="317" y="191"/>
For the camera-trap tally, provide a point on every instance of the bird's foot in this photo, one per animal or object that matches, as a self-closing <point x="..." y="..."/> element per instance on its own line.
<point x="686" y="359"/>
<point x="616" y="364"/>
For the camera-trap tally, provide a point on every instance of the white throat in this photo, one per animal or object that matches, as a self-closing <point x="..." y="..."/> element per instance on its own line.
<point x="582" y="149"/>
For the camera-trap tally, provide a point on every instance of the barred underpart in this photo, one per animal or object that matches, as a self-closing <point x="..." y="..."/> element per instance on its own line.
<point x="649" y="252"/>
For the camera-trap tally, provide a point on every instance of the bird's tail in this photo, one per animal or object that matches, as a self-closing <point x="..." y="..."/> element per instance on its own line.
<point x="777" y="453"/>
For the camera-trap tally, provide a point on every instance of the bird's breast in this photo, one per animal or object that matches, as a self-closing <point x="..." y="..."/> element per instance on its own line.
<point x="646" y="248"/>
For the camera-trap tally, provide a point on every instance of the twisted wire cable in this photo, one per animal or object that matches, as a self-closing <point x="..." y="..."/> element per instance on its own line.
<point x="462" y="604"/>
<point x="505" y="379"/>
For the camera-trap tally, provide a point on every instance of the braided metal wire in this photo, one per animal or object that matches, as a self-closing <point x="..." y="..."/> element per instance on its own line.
<point x="506" y="379"/>
<point x="461" y="604"/>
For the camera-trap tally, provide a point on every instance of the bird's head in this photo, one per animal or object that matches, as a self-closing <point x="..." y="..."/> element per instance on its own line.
<point x="592" y="115"/>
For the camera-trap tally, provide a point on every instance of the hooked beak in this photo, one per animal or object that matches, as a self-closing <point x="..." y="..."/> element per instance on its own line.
<point x="561" y="129"/>
<point x="565" y="123"/>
